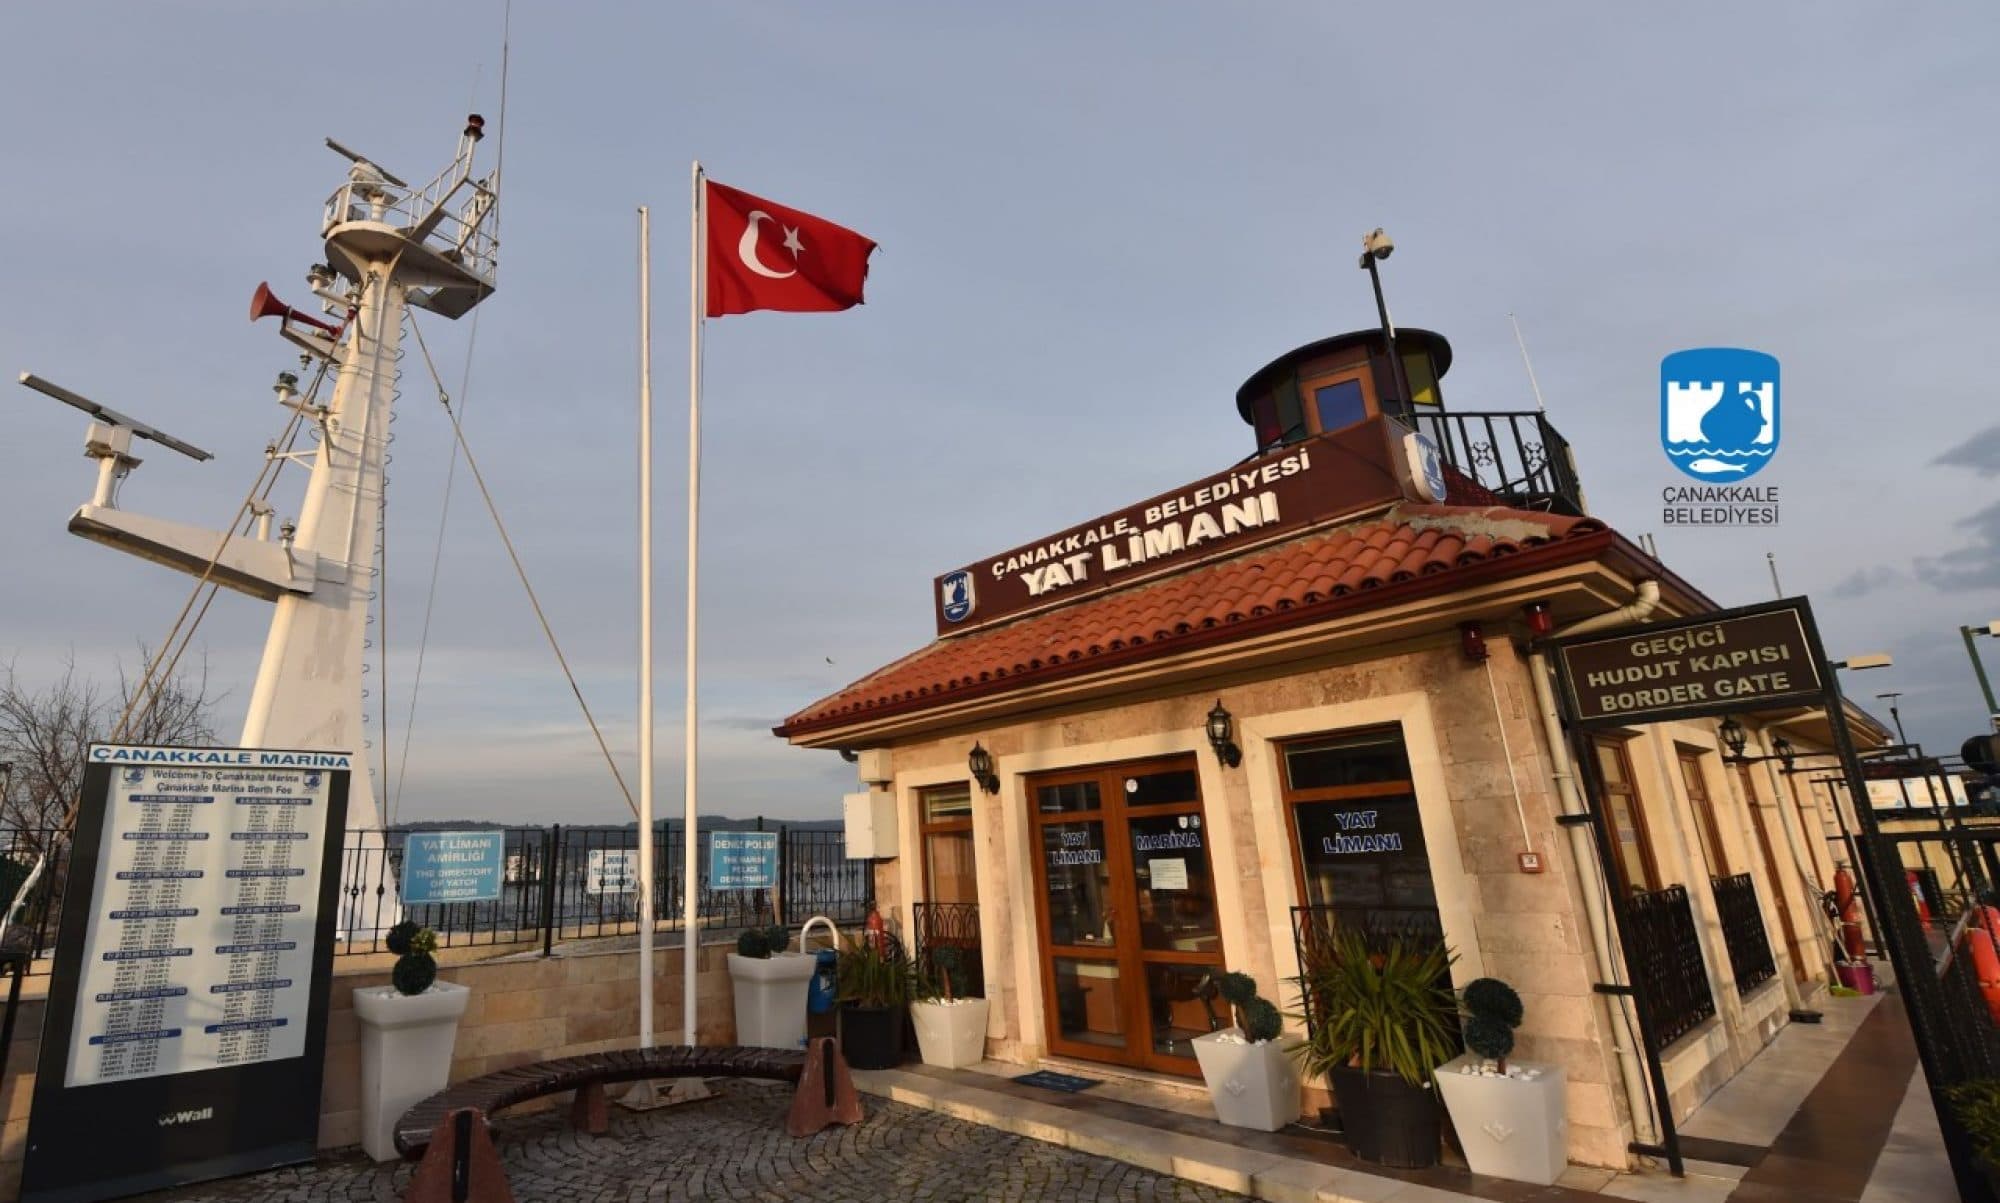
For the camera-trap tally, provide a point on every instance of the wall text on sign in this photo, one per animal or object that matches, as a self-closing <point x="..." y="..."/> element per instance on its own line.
<point x="1361" y="821"/>
<point x="1754" y="656"/>
<point x="1227" y="507"/>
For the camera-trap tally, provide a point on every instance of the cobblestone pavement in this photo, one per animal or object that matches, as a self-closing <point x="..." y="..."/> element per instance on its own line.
<point x="733" y="1147"/>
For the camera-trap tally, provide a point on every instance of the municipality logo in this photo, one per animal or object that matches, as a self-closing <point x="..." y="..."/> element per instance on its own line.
<point x="956" y="596"/>
<point x="1719" y="412"/>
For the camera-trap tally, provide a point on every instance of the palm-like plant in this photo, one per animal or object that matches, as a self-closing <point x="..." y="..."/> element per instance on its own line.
<point x="1386" y="1005"/>
<point x="872" y="975"/>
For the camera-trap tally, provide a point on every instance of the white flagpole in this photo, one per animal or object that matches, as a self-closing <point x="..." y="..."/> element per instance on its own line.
<point x="690" y="910"/>
<point x="645" y="628"/>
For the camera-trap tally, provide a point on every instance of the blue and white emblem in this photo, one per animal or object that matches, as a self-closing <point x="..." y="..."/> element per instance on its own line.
<point x="955" y="593"/>
<point x="1719" y="412"/>
<point x="1427" y="466"/>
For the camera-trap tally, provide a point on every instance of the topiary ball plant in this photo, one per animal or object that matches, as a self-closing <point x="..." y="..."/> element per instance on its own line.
<point x="416" y="969"/>
<point x="1493" y="1010"/>
<point x="758" y="943"/>
<point x="1257" y="1018"/>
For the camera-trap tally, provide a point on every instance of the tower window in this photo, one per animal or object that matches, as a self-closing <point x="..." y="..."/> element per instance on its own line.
<point x="1339" y="404"/>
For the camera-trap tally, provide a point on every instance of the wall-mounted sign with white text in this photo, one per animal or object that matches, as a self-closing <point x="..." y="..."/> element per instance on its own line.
<point x="453" y="866"/>
<point x="1319" y="480"/>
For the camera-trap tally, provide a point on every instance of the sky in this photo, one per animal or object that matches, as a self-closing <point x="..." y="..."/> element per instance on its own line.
<point x="1095" y="221"/>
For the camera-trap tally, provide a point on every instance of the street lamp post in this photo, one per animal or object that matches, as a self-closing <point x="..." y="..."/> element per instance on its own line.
<point x="1895" y="716"/>
<point x="1377" y="245"/>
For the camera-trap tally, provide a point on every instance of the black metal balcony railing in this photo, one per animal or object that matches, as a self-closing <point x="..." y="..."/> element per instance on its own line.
<point x="953" y="925"/>
<point x="1667" y="953"/>
<point x="1514" y="459"/>
<point x="1743" y="932"/>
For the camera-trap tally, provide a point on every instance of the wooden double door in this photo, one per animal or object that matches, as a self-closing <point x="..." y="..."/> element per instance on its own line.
<point x="1125" y="904"/>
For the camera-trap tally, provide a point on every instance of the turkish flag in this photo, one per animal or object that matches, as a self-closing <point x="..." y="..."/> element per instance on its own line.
<point x="766" y="256"/>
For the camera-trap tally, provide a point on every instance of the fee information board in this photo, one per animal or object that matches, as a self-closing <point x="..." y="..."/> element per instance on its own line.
<point x="192" y="965"/>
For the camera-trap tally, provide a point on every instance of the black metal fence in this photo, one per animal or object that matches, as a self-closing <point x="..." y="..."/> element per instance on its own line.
<point x="1516" y="457"/>
<point x="954" y="926"/>
<point x="34" y="926"/>
<point x="1743" y="932"/>
<point x="1666" y="954"/>
<point x="559" y="883"/>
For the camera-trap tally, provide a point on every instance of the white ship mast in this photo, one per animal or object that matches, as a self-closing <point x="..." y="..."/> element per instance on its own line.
<point x="388" y="247"/>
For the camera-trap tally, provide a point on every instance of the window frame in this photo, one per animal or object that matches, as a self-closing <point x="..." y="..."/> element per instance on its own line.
<point x="927" y="827"/>
<point x="1635" y="806"/>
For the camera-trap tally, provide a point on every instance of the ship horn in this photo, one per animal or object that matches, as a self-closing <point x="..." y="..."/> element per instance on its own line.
<point x="263" y="304"/>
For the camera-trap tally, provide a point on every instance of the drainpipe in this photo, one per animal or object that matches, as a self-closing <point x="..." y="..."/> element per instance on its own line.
<point x="1802" y="861"/>
<point x="1583" y="856"/>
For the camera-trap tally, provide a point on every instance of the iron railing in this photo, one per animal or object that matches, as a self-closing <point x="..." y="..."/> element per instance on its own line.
<point x="1515" y="459"/>
<point x="1666" y="952"/>
<point x="40" y="917"/>
<point x="548" y="892"/>
<point x="1743" y="932"/>
<point x="955" y="926"/>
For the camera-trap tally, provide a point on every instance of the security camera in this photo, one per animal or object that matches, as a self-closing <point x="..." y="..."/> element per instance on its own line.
<point x="1377" y="245"/>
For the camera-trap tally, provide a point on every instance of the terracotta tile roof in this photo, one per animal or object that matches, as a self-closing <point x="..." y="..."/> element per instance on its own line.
<point x="1410" y="550"/>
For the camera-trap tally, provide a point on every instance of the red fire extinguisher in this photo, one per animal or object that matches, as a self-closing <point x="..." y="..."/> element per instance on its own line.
<point x="1850" y="913"/>
<point x="1917" y="893"/>
<point x="877" y="931"/>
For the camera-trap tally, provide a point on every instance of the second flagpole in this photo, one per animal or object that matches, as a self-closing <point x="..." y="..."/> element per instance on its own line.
<point x="690" y="904"/>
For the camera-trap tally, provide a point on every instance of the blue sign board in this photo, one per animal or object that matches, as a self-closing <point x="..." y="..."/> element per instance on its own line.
<point x="452" y="866"/>
<point x="742" y="860"/>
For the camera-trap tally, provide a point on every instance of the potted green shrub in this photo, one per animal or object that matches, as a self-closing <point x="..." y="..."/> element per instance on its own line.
<point x="951" y="1031"/>
<point x="769" y="986"/>
<point x="1250" y="1079"/>
<point x="408" y="1029"/>
<point x="874" y="983"/>
<point x="1509" y="1116"/>
<point x="1379" y="1016"/>
<point x="1976" y="1107"/>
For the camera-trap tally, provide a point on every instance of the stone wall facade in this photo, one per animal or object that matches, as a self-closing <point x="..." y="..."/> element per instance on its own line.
<point x="1484" y="776"/>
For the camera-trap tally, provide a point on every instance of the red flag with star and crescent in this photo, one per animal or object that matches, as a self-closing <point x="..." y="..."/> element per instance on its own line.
<point x="766" y="256"/>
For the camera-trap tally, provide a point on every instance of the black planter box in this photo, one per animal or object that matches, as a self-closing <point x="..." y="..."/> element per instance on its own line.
<point x="871" y="1037"/>
<point x="1387" y="1120"/>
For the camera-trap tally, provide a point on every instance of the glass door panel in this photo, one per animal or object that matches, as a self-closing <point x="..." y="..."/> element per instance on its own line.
<point x="1081" y="910"/>
<point x="1130" y="930"/>
<point x="1181" y="1004"/>
<point x="1090" y="1006"/>
<point x="1176" y="890"/>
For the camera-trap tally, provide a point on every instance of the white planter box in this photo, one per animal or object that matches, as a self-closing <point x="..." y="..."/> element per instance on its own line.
<point x="406" y="1043"/>
<point x="1510" y="1127"/>
<point x="771" y="998"/>
<point x="1252" y="1085"/>
<point x="951" y="1035"/>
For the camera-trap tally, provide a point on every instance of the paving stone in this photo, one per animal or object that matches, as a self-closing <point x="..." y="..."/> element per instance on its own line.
<point x="733" y="1147"/>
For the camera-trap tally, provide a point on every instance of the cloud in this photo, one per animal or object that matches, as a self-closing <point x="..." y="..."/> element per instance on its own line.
<point x="1863" y="581"/>
<point x="1974" y="566"/>
<point x="1981" y="453"/>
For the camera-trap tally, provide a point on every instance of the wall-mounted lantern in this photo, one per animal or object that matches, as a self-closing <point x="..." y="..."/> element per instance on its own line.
<point x="1734" y="737"/>
<point x="1222" y="736"/>
<point x="979" y="762"/>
